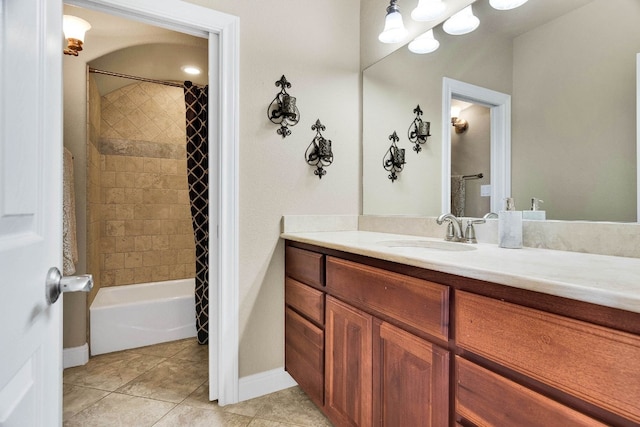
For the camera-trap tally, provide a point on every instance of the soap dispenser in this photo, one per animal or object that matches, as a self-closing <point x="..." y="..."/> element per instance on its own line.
<point x="510" y="226"/>
<point x="535" y="212"/>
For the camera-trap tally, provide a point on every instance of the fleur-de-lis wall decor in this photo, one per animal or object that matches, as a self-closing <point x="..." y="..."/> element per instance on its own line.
<point x="283" y="110"/>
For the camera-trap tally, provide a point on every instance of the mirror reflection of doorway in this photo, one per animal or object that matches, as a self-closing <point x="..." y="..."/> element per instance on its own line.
<point x="471" y="160"/>
<point x="499" y="106"/>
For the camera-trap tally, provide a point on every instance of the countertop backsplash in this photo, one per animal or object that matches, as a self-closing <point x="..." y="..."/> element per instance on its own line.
<point x="603" y="238"/>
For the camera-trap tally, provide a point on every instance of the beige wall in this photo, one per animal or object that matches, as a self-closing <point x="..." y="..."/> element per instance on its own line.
<point x="316" y="45"/>
<point x="574" y="113"/>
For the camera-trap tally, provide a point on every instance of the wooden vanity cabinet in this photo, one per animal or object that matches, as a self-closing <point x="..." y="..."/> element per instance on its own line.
<point x="371" y="343"/>
<point x="596" y="364"/>
<point x="304" y="321"/>
<point x="376" y="372"/>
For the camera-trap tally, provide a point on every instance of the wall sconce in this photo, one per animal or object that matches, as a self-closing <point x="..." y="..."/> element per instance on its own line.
<point x="393" y="160"/>
<point x="319" y="153"/>
<point x="74" y="29"/>
<point x="461" y="125"/>
<point x="418" y="130"/>
<point x="394" y="30"/>
<point x="283" y="110"/>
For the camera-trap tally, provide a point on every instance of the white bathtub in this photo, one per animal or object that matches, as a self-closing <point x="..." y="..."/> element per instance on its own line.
<point x="123" y="317"/>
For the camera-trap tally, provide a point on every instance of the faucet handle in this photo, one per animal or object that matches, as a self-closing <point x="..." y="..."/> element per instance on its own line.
<point x="450" y="233"/>
<point x="470" y="232"/>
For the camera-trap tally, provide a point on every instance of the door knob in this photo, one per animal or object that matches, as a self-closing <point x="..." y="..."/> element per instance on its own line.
<point x="56" y="284"/>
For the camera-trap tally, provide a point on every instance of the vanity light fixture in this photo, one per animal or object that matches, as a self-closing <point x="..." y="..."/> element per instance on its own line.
<point x="428" y="10"/>
<point x="461" y="125"/>
<point x="283" y="110"/>
<point x="461" y="23"/>
<point x="506" y="4"/>
<point x="74" y="29"/>
<point x="424" y="43"/>
<point x="418" y="130"/>
<point x="393" y="160"/>
<point x="319" y="152"/>
<point x="394" y="30"/>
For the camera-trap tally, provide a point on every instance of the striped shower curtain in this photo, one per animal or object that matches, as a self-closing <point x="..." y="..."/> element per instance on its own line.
<point x="197" y="173"/>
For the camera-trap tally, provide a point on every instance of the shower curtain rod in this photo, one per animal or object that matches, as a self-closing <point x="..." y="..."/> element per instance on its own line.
<point x="141" y="79"/>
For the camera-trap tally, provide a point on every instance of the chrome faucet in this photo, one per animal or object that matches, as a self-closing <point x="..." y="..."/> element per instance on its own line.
<point x="454" y="229"/>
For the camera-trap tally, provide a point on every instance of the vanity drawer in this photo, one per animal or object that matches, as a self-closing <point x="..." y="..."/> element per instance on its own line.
<point x="305" y="266"/>
<point x="416" y="303"/>
<point x="597" y="364"/>
<point x="305" y="299"/>
<point x="478" y="390"/>
<point x="304" y="355"/>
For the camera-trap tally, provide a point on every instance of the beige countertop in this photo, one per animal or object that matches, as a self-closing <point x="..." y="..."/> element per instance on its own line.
<point x="600" y="279"/>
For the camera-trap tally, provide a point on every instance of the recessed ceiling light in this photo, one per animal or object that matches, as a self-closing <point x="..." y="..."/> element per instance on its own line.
<point x="191" y="69"/>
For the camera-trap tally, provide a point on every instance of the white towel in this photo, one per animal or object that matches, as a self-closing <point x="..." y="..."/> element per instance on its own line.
<point x="69" y="242"/>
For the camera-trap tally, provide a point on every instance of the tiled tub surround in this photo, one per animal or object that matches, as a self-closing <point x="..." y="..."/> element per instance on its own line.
<point x="143" y="214"/>
<point x="611" y="281"/>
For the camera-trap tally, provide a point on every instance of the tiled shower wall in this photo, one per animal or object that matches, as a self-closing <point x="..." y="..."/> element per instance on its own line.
<point x="94" y="204"/>
<point x="145" y="221"/>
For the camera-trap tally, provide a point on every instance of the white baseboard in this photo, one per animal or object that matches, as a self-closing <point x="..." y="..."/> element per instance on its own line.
<point x="75" y="356"/>
<point x="263" y="383"/>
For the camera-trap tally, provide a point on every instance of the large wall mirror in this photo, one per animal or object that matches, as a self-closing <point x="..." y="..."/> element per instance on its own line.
<point x="570" y="68"/>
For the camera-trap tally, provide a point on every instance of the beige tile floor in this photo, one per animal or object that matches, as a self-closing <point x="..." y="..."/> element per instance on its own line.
<point x="166" y="385"/>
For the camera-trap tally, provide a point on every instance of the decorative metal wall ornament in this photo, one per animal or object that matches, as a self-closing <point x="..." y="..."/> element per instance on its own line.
<point x="418" y="131"/>
<point x="283" y="110"/>
<point x="319" y="153"/>
<point x="393" y="160"/>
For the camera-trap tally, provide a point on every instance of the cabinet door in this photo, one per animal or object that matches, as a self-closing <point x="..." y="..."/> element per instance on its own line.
<point x="411" y="379"/>
<point x="348" y="357"/>
<point x="479" y="390"/>
<point x="303" y="354"/>
<point x="597" y="364"/>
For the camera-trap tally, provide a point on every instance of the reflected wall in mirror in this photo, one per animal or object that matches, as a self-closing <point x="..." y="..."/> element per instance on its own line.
<point x="471" y="161"/>
<point x="570" y="67"/>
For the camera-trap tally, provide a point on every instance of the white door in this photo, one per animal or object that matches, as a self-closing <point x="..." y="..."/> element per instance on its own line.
<point x="30" y="211"/>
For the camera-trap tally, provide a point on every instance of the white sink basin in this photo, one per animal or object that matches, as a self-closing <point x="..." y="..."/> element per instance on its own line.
<point x="428" y="244"/>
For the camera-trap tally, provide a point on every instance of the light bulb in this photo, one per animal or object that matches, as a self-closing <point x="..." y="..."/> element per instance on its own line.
<point x="462" y="22"/>
<point x="191" y="69"/>
<point x="74" y="27"/>
<point x="424" y="43"/>
<point x="506" y="4"/>
<point x="394" y="30"/>
<point x="428" y="10"/>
